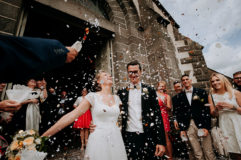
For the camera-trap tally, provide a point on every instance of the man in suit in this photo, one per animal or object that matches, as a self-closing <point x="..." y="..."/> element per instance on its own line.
<point x="183" y="148"/>
<point x="194" y="120"/>
<point x="25" y="57"/>
<point x="237" y="80"/>
<point x="142" y="126"/>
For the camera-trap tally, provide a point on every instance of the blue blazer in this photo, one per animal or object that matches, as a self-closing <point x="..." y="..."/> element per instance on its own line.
<point x="25" y="57"/>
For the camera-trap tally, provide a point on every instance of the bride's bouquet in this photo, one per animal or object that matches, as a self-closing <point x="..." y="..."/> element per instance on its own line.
<point x="27" y="145"/>
<point x="18" y="93"/>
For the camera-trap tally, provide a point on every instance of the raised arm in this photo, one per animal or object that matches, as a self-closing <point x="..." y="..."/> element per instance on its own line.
<point x="68" y="118"/>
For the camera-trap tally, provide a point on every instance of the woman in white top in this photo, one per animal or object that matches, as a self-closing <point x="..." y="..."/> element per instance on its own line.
<point x="227" y="106"/>
<point x="106" y="142"/>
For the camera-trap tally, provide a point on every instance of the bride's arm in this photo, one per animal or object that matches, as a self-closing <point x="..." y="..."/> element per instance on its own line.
<point x="68" y="118"/>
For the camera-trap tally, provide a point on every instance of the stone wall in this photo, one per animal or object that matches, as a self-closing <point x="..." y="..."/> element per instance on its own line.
<point x="195" y="59"/>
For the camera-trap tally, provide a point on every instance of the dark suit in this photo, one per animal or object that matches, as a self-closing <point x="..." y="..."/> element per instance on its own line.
<point x="184" y="112"/>
<point x="192" y="117"/>
<point x="151" y="121"/>
<point x="24" y="57"/>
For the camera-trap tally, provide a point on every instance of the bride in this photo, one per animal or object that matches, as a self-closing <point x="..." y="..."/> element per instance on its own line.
<point x="106" y="142"/>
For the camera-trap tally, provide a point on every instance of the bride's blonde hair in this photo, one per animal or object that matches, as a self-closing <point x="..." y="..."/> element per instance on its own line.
<point x="227" y="85"/>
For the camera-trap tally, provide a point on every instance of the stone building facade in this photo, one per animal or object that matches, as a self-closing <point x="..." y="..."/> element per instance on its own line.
<point x="132" y="29"/>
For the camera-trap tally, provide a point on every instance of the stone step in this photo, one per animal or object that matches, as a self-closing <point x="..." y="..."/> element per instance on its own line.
<point x="179" y="43"/>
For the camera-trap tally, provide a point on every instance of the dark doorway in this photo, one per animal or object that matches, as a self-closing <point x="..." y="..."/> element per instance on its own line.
<point x="46" y="22"/>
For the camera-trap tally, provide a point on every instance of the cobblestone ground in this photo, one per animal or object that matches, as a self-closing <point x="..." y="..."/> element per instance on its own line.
<point x="73" y="154"/>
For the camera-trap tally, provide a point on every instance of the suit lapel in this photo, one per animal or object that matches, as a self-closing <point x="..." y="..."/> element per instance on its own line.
<point x="142" y="96"/>
<point x="126" y="98"/>
<point x="194" y="92"/>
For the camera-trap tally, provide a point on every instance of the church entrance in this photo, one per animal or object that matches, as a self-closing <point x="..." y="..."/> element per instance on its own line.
<point x="46" y="22"/>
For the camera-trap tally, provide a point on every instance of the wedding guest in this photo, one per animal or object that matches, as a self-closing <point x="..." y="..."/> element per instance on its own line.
<point x="33" y="116"/>
<point x="142" y="124"/>
<point x="165" y="106"/>
<point x="105" y="143"/>
<point x="183" y="149"/>
<point x="8" y="105"/>
<point x="25" y="57"/>
<point x="237" y="80"/>
<point x="178" y="89"/>
<point x="83" y="122"/>
<point x="64" y="106"/>
<point x="177" y="86"/>
<point x="194" y="119"/>
<point x="227" y="102"/>
<point x="41" y="85"/>
<point x="48" y="110"/>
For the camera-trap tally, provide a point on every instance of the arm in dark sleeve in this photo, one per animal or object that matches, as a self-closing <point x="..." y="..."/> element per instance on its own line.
<point x="206" y="111"/>
<point x="174" y="108"/>
<point x="159" y="131"/>
<point x="23" y="57"/>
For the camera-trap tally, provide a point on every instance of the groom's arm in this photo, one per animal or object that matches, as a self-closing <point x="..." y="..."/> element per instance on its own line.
<point x="159" y="131"/>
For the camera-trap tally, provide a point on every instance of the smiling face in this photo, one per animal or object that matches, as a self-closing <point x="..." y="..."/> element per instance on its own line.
<point x="31" y="83"/>
<point x="186" y="82"/>
<point x="178" y="87"/>
<point x="237" y="79"/>
<point x="161" y="87"/>
<point x="134" y="73"/>
<point x="216" y="83"/>
<point x="39" y="84"/>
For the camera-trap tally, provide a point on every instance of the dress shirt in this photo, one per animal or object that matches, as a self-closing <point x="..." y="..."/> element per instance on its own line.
<point x="189" y="95"/>
<point x="134" y="123"/>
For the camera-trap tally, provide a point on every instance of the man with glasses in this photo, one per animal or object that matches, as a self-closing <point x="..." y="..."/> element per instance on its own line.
<point x="142" y="125"/>
<point x="237" y="80"/>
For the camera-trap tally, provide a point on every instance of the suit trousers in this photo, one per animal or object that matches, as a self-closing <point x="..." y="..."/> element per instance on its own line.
<point x="202" y="146"/>
<point x="137" y="148"/>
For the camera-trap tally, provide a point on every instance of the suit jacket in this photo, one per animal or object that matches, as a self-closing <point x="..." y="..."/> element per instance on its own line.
<point x="24" y="57"/>
<point x="151" y="115"/>
<point x="197" y="111"/>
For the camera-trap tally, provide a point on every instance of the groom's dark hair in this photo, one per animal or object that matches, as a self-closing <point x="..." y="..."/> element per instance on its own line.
<point x="133" y="63"/>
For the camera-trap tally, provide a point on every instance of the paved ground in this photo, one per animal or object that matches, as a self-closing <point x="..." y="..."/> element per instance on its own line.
<point x="74" y="154"/>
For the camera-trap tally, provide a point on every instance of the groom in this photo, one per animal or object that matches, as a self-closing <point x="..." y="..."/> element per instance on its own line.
<point x="142" y="125"/>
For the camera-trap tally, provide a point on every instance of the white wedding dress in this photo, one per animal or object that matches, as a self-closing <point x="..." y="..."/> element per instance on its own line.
<point x="106" y="142"/>
<point x="230" y="122"/>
